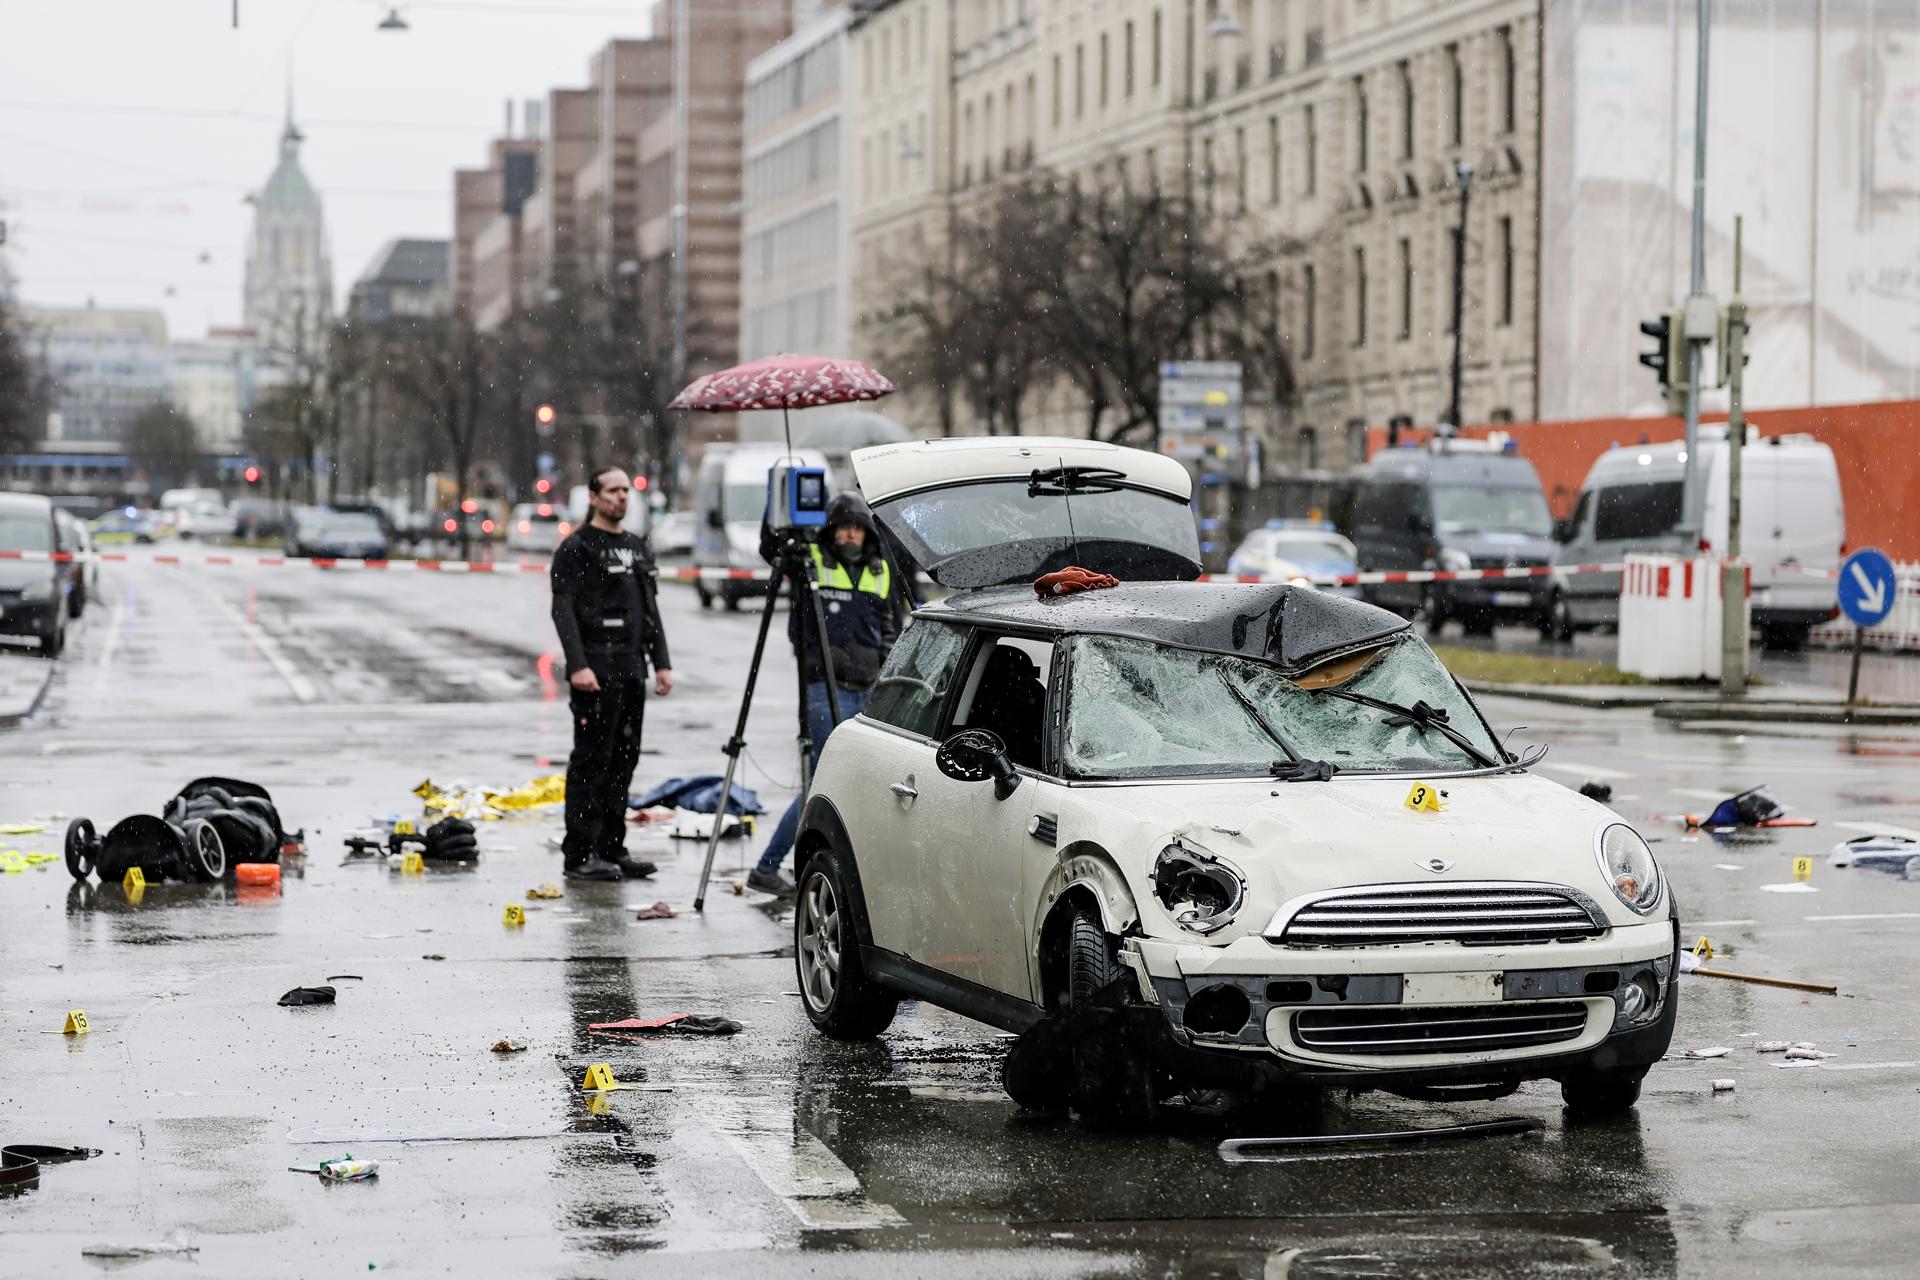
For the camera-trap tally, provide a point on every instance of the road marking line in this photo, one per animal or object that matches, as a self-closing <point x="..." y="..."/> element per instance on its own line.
<point x="817" y="1187"/>
<point x="103" y="665"/>
<point x="1880" y="829"/>
<point x="1891" y="915"/>
<point x="303" y="688"/>
<point x="1864" y="1066"/>
<point x="1585" y="770"/>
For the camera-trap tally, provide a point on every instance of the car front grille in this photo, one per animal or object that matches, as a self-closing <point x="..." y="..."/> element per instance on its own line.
<point x="1475" y="914"/>
<point x="1388" y="1030"/>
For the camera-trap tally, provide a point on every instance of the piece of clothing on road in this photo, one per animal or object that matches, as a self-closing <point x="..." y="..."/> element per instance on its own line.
<point x="608" y="619"/>
<point x="819" y="725"/>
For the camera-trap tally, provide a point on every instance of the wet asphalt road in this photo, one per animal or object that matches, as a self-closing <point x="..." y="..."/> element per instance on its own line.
<point x="776" y="1151"/>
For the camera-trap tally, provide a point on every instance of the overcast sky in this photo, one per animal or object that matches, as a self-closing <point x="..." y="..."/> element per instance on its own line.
<point x="130" y="130"/>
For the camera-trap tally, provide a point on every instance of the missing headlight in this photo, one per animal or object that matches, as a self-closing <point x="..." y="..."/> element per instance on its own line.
<point x="1199" y="892"/>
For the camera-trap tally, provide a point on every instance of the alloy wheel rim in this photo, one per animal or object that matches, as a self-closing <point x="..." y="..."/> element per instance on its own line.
<point x="819" y="942"/>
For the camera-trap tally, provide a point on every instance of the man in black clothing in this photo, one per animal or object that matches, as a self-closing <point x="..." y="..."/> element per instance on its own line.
<point x="608" y="618"/>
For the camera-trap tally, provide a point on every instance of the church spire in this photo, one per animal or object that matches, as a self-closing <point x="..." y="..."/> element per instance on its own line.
<point x="290" y="136"/>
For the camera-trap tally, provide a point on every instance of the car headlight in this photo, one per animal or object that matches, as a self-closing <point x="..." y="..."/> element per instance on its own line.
<point x="1199" y="891"/>
<point x="1629" y="868"/>
<point x="1454" y="559"/>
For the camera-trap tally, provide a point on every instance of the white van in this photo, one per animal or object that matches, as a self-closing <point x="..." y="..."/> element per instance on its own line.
<point x="1792" y="519"/>
<point x="729" y="498"/>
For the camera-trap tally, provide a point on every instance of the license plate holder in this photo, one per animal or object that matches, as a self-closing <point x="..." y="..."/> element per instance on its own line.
<point x="1512" y="599"/>
<point x="1477" y="987"/>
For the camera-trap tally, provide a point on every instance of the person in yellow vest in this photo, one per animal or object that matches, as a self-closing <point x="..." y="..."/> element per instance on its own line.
<point x="855" y="585"/>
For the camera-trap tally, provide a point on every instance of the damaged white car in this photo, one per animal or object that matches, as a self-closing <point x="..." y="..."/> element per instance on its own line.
<point x="1184" y="835"/>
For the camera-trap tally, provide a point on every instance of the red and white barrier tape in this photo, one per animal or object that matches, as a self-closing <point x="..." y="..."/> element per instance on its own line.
<point x="1414" y="575"/>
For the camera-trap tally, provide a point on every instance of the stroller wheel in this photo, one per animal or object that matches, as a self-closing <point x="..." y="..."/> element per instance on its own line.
<point x="82" y="844"/>
<point x="206" y="854"/>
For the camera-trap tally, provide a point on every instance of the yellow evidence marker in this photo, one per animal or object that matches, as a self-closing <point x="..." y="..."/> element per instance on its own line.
<point x="411" y="864"/>
<point x="1803" y="868"/>
<point x="134" y="880"/>
<point x="77" y="1024"/>
<point x="1703" y="948"/>
<point x="403" y="828"/>
<point x="515" y="914"/>
<point x="1424" y="798"/>
<point x="600" y="1077"/>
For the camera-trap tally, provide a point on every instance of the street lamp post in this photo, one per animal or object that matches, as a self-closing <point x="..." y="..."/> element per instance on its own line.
<point x="1464" y="172"/>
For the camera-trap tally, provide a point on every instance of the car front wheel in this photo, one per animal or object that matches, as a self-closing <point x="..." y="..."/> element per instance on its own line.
<point x="1601" y="1093"/>
<point x="841" y="999"/>
<point x="1113" y="1083"/>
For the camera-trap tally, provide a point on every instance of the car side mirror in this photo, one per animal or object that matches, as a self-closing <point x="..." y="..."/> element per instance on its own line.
<point x="1563" y="530"/>
<point x="714" y="521"/>
<point x="974" y="755"/>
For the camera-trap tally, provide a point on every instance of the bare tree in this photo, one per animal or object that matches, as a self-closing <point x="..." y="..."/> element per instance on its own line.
<point x="441" y="367"/>
<point x="22" y="386"/>
<point x="164" y="442"/>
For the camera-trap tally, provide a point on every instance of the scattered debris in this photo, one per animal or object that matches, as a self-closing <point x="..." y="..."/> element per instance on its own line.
<point x="307" y="995"/>
<point x="687" y="1024"/>
<point x="154" y="1249"/>
<point x="1729" y="866"/>
<point x="265" y="875"/>
<point x="1708" y="1053"/>
<point x="1795" y="886"/>
<point x="1822" y="988"/>
<point x="344" y="1169"/>
<point x="658" y="911"/>
<point x="20" y="1163"/>
<point x="1876" y="853"/>
<point x="1689" y="962"/>
<point x="1772" y="1046"/>
<point x="1754" y="808"/>
<point x="1594" y="790"/>
<point x="545" y="889"/>
<point x="1248" y="1150"/>
<point x="652" y="813"/>
<point x="509" y="1046"/>
<point x="345" y="977"/>
<point x="21" y="828"/>
<point x="1799" y="1054"/>
<point x="1723" y="1086"/>
<point x="699" y="826"/>
<point x="470" y="802"/>
<point x="433" y="956"/>
<point x="700" y="794"/>
<point x="739" y="888"/>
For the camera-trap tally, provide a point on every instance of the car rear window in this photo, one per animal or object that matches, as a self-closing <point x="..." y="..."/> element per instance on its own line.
<point x="913" y="685"/>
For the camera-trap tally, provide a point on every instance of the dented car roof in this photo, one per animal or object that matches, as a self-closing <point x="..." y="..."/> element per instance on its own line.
<point x="1295" y="628"/>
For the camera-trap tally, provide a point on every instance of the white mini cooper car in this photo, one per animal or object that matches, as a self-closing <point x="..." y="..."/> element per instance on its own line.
<point x="1182" y="834"/>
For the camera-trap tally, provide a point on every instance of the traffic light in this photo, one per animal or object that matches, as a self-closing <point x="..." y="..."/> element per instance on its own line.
<point x="251" y="475"/>
<point x="544" y="415"/>
<point x="1668" y="359"/>
<point x="543" y="485"/>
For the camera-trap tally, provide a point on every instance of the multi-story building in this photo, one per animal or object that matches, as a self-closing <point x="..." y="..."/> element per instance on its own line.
<point x="212" y="380"/>
<point x="288" y="297"/>
<point x="1335" y="130"/>
<point x="407" y="278"/>
<point x="104" y="368"/>
<point x="486" y="269"/>
<point x="795" y="265"/>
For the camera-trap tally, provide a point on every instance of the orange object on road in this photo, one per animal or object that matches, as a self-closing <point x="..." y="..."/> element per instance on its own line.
<point x="257" y="873"/>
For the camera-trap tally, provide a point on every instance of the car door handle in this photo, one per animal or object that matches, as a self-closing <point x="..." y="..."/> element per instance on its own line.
<point x="904" y="790"/>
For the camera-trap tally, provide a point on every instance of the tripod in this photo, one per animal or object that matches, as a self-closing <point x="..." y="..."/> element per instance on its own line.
<point x="790" y="564"/>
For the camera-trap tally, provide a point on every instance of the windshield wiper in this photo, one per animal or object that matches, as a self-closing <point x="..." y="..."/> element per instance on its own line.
<point x="1056" y="482"/>
<point x="1420" y="715"/>
<point x="1294" y="768"/>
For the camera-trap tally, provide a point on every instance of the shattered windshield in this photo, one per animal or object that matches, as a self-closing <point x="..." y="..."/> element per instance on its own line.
<point x="1141" y="710"/>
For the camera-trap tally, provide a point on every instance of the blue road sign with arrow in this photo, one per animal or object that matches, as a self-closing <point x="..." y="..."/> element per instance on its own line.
<point x="1867" y="587"/>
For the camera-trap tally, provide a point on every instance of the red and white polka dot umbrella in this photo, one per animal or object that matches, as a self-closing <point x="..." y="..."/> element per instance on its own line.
<point x="784" y="382"/>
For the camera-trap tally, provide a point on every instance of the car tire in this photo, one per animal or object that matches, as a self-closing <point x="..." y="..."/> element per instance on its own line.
<point x="1601" y="1093"/>
<point x="1784" y="637"/>
<point x="77" y="602"/>
<point x="732" y="599"/>
<point x="54" y="642"/>
<point x="706" y="596"/>
<point x="839" y="997"/>
<point x="1113" y="1085"/>
<point x="1434" y="610"/>
<point x="1559" y="626"/>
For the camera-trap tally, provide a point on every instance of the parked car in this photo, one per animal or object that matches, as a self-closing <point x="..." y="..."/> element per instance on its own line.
<point x="324" y="534"/>
<point x="1297" y="549"/>
<point x="1216" y="835"/>
<point x="537" y="527"/>
<point x="84" y="572"/>
<point x="260" y="518"/>
<point x="1453" y="505"/>
<point x="33" y="592"/>
<point x="129" y="524"/>
<point x="203" y="520"/>
<point x="1792" y="519"/>
<point x="673" y="534"/>
<point x="729" y="497"/>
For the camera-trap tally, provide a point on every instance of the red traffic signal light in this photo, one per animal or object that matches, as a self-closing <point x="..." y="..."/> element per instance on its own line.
<point x="543" y="485"/>
<point x="544" y="415"/>
<point x="252" y="475"/>
<point x="639" y="484"/>
<point x="469" y="506"/>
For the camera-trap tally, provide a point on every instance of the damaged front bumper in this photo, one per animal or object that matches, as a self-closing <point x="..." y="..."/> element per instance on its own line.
<point x="1401" y="1017"/>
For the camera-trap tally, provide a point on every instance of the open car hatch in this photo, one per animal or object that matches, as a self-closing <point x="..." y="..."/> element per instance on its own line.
<point x="985" y="511"/>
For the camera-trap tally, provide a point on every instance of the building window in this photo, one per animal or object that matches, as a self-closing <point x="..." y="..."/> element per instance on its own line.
<point x="886" y="54"/>
<point x="1156" y="48"/>
<point x="1033" y="112"/>
<point x="1406" y="288"/>
<point x="1127" y="53"/>
<point x="1153" y="171"/>
<point x="1206" y="171"/>
<point x="1312" y="182"/>
<point x="1506" y="270"/>
<point x="1056" y="91"/>
<point x="1103" y="71"/>
<point x="986" y="138"/>
<point x="1310" y="447"/>
<point x="1457" y="80"/>
<point x="1509" y="82"/>
<point x="1079" y="81"/>
<point x="1273" y="159"/>
<point x="1406" y="109"/>
<point x="1359" y="124"/>
<point x="1309" y="309"/>
<point x="1240" y="170"/>
<point x="1359" y="297"/>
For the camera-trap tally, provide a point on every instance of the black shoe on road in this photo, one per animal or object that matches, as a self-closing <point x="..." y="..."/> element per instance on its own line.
<point x="773" y="882"/>
<point x="632" y="868"/>
<point x="593" y="869"/>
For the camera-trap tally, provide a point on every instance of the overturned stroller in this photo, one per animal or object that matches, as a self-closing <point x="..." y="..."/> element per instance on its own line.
<point x="212" y="825"/>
